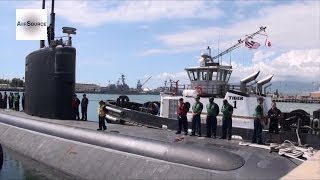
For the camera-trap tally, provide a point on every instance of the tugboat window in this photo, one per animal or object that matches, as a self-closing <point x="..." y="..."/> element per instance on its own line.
<point x="203" y="75"/>
<point x="212" y="75"/>
<point x="193" y="75"/>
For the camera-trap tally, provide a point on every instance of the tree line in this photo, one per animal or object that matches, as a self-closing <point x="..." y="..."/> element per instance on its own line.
<point x="15" y="82"/>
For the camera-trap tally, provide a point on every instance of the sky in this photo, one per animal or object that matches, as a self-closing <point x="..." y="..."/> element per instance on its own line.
<point x="160" y="38"/>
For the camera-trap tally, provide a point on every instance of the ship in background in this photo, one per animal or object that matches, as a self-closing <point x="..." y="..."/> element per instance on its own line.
<point x="121" y="87"/>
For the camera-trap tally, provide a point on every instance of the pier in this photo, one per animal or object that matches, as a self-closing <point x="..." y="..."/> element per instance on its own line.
<point x="297" y="100"/>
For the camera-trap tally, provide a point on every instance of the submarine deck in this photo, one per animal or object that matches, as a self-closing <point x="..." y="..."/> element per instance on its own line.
<point x="259" y="163"/>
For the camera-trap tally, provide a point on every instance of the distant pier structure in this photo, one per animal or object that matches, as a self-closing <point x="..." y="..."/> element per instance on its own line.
<point x="50" y="75"/>
<point x="296" y="100"/>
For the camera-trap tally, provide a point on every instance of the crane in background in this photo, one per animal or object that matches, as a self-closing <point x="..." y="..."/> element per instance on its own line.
<point x="139" y="84"/>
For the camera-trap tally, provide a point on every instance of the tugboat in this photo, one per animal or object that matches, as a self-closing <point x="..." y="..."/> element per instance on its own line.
<point x="211" y="79"/>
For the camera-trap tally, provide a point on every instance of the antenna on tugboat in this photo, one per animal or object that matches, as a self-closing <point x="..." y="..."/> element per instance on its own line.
<point x="209" y="49"/>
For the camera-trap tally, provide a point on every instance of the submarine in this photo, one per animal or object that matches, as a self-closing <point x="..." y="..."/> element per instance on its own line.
<point x="50" y="75"/>
<point x="45" y="133"/>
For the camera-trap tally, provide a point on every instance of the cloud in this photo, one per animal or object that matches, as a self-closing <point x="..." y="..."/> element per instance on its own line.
<point x="95" y="13"/>
<point x="294" y="65"/>
<point x="289" y="26"/>
<point x="181" y="76"/>
<point x="262" y="56"/>
<point x="168" y="50"/>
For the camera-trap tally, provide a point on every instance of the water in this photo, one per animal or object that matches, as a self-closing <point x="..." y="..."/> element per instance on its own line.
<point x="95" y="98"/>
<point x="288" y="107"/>
<point x="16" y="166"/>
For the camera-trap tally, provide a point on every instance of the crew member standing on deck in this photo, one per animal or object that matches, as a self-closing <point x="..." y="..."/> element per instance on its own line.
<point x="196" y="117"/>
<point x="11" y="100"/>
<point x="213" y="111"/>
<point x="227" y="111"/>
<point x="75" y="107"/>
<point x="1" y="101"/>
<point x="182" y="117"/>
<point x="274" y="114"/>
<point x="23" y="101"/>
<point x="258" y="121"/>
<point x="102" y="111"/>
<point x="84" y="107"/>
<point x="5" y="100"/>
<point x="17" y="102"/>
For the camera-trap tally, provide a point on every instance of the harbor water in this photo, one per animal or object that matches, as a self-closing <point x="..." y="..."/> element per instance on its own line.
<point x="18" y="167"/>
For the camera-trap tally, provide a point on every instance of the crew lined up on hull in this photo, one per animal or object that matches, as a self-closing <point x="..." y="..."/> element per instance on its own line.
<point x="261" y="120"/>
<point x="12" y="101"/>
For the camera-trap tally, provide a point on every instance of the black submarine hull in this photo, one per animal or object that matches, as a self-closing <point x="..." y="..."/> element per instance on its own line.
<point x="50" y="82"/>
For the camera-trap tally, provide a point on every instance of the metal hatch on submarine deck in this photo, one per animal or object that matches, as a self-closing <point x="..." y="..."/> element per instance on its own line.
<point x="50" y="75"/>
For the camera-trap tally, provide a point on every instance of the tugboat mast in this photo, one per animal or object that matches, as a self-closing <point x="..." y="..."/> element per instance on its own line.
<point x="240" y="41"/>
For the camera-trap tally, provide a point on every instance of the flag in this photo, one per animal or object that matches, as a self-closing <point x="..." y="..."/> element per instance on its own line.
<point x="252" y="44"/>
<point x="269" y="44"/>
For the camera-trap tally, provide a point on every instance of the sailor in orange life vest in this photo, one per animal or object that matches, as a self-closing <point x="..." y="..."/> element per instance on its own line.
<point x="102" y="116"/>
<point x="182" y="117"/>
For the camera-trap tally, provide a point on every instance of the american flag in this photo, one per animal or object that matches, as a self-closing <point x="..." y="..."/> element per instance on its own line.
<point x="252" y="44"/>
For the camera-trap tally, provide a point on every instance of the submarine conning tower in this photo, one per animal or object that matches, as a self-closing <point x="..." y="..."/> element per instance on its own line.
<point x="50" y="76"/>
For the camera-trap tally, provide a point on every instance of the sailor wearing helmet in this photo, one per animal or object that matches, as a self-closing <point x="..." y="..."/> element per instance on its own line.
<point x="258" y="121"/>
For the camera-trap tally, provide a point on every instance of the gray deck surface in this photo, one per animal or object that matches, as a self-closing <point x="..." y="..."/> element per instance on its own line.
<point x="259" y="163"/>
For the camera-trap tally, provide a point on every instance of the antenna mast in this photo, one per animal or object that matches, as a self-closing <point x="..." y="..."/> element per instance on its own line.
<point x="43" y="7"/>
<point x="52" y="24"/>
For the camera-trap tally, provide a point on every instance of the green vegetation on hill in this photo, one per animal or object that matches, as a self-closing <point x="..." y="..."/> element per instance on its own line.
<point x="15" y="82"/>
